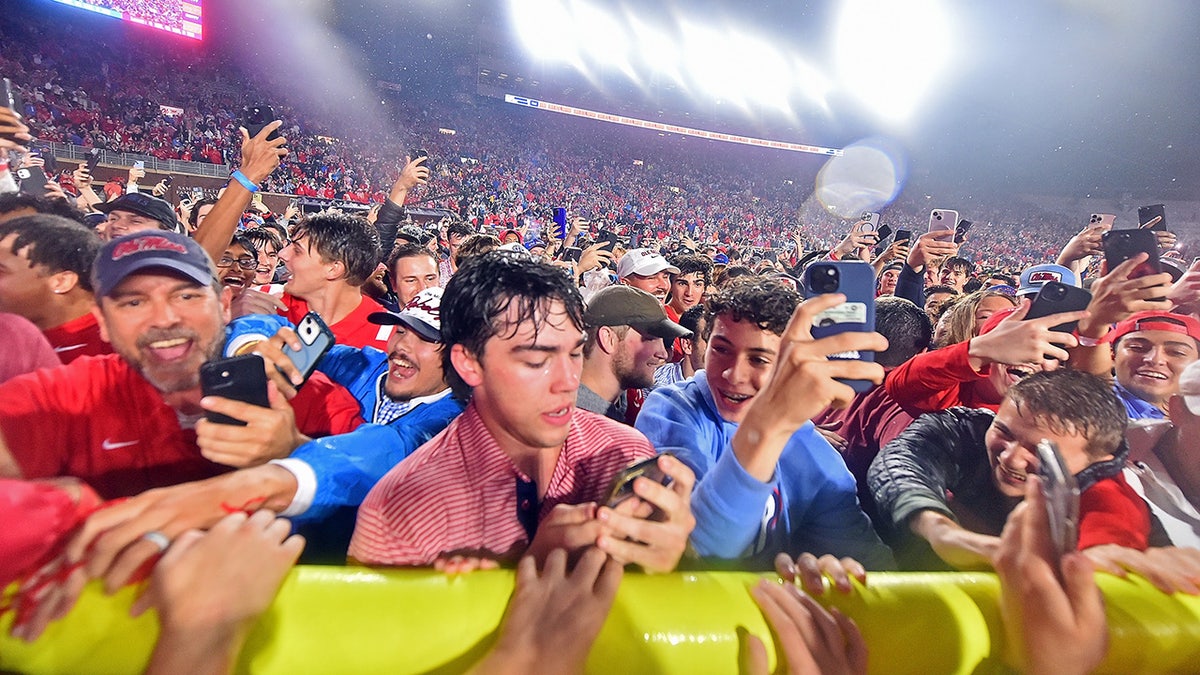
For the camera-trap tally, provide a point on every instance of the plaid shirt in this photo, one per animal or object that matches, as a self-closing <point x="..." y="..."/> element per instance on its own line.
<point x="460" y="492"/>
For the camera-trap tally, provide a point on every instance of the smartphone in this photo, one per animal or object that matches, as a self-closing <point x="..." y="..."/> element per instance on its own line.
<point x="856" y="280"/>
<point x="1121" y="245"/>
<point x="1104" y="220"/>
<point x="869" y="222"/>
<point x="622" y="484"/>
<point x="197" y="194"/>
<point x="241" y="378"/>
<point x="33" y="180"/>
<point x="139" y="165"/>
<point x="168" y="180"/>
<point x="611" y="239"/>
<point x="421" y="152"/>
<point x="560" y="223"/>
<point x="11" y="98"/>
<point x="1149" y="213"/>
<point x="572" y="253"/>
<point x="942" y="220"/>
<point x="961" y="230"/>
<point x="1056" y="297"/>
<point x="1062" y="497"/>
<point x="93" y="159"/>
<point x="315" y="338"/>
<point x="256" y="117"/>
<point x="50" y="162"/>
<point x="883" y="232"/>
<point x="903" y="235"/>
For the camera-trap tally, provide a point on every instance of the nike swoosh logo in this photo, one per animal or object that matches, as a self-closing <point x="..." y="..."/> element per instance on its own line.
<point x="69" y="348"/>
<point x="109" y="445"/>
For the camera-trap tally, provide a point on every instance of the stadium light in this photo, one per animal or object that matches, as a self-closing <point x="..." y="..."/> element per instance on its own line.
<point x="890" y="52"/>
<point x="546" y="29"/>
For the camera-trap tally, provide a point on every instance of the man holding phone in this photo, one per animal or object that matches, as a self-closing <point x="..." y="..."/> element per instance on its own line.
<point x="126" y="422"/>
<point x="522" y="469"/>
<point x="767" y="481"/>
<point x="944" y="487"/>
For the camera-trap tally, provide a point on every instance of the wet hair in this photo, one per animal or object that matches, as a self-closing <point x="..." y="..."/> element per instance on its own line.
<point x="56" y="243"/>
<point x="940" y="288"/>
<point x="407" y="249"/>
<point x="260" y="237"/>
<point x="340" y="237"/>
<point x="16" y="201"/>
<point x="764" y="302"/>
<point x="247" y="242"/>
<point x="478" y="297"/>
<point x="1069" y="402"/>
<point x="458" y="228"/>
<point x="688" y="264"/>
<point x="956" y="263"/>
<point x="476" y="244"/>
<point x="907" y="328"/>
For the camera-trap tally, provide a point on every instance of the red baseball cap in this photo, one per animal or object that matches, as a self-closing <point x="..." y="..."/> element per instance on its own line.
<point x="1156" y="320"/>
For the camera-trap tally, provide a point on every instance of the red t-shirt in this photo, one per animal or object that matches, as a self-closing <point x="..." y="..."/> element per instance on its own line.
<point x="78" y="337"/>
<point x="354" y="330"/>
<point x="99" y="420"/>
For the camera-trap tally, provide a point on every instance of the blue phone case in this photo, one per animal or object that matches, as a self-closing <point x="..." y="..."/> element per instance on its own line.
<point x="855" y="280"/>
<point x="316" y="338"/>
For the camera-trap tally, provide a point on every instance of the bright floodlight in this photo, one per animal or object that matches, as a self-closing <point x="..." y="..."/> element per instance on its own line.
<point x="545" y="28"/>
<point x="890" y="52"/>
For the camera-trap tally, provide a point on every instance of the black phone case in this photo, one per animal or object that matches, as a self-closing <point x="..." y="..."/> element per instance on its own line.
<point x="256" y="118"/>
<point x="1056" y="297"/>
<point x="1121" y="245"/>
<point x="241" y="378"/>
<point x="857" y="282"/>
<point x="1149" y="213"/>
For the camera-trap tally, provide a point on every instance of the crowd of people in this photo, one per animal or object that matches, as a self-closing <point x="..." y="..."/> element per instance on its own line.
<point x="503" y="165"/>
<point x="631" y="382"/>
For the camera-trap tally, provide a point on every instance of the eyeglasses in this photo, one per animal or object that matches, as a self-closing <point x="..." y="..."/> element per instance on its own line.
<point x="245" y="262"/>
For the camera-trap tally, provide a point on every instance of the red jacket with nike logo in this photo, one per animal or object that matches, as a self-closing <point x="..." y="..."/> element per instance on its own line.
<point x="99" y="420"/>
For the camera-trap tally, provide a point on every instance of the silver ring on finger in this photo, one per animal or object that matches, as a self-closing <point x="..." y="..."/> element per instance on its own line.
<point x="159" y="539"/>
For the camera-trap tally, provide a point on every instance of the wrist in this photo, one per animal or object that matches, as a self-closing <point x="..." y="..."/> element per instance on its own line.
<point x="1091" y="330"/>
<point x="245" y="181"/>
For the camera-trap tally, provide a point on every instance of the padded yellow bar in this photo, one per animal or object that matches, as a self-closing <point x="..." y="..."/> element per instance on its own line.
<point x="354" y="620"/>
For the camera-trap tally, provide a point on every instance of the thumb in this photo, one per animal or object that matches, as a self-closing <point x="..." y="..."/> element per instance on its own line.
<point x="245" y="135"/>
<point x="752" y="653"/>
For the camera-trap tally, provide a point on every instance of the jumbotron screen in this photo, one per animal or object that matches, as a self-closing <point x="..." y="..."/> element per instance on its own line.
<point x="181" y="17"/>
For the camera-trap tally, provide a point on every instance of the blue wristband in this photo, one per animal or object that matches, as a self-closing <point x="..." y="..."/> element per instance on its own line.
<point x="246" y="182"/>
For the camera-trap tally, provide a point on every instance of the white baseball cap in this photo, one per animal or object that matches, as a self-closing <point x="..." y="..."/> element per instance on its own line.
<point x="643" y="262"/>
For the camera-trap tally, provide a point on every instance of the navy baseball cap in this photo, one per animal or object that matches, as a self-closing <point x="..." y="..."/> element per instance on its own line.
<point x="150" y="249"/>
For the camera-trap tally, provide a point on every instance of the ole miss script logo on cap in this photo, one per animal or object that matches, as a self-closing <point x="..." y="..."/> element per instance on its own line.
<point x="144" y="244"/>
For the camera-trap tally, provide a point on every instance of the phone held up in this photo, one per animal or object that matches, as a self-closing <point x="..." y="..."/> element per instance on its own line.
<point x="1146" y="214"/>
<point x="1056" y="297"/>
<point x="256" y="117"/>
<point x="943" y="220"/>
<point x="855" y="280"/>
<point x="315" y="339"/>
<point x="1121" y="245"/>
<point x="1062" y="497"/>
<point x="241" y="378"/>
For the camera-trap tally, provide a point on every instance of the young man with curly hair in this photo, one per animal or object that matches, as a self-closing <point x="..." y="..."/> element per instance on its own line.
<point x="766" y="481"/>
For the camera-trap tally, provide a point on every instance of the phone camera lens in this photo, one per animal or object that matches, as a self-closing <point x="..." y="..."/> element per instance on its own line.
<point x="1056" y="293"/>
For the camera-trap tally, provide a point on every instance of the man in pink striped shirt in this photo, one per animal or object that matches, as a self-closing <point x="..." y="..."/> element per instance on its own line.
<point x="521" y="470"/>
